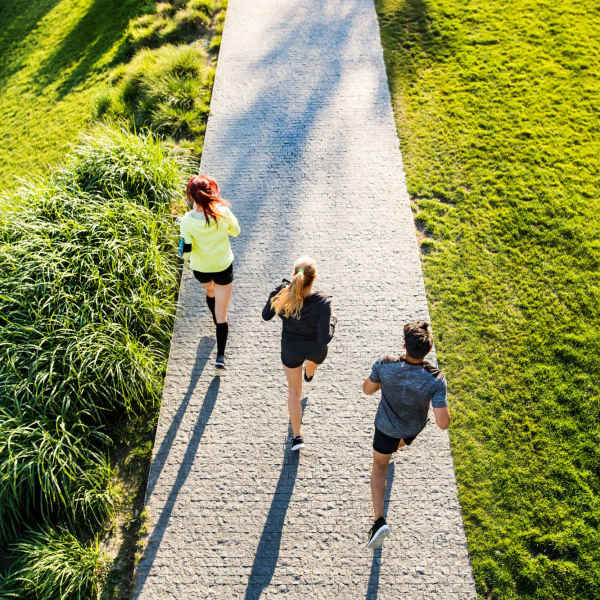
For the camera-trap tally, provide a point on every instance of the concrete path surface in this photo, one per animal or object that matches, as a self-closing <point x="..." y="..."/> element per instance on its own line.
<point x="302" y="139"/>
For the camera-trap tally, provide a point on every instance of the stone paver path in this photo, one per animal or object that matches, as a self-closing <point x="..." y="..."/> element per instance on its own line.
<point x="302" y="139"/>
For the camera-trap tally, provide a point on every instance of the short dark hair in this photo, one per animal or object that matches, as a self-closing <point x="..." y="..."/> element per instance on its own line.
<point x="418" y="339"/>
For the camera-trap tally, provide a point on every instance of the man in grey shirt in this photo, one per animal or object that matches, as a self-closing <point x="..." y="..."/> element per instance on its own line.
<point x="408" y="384"/>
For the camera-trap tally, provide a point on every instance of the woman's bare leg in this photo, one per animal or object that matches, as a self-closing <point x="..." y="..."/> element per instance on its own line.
<point x="294" y="381"/>
<point x="222" y="298"/>
<point x="311" y="367"/>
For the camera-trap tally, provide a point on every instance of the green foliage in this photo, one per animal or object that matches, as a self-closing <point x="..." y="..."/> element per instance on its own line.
<point x="10" y="587"/>
<point x="55" y="56"/>
<point x="54" y="564"/>
<point x="167" y="90"/>
<point x="178" y="21"/>
<point x="497" y="113"/>
<point x="50" y="468"/>
<point x="87" y="301"/>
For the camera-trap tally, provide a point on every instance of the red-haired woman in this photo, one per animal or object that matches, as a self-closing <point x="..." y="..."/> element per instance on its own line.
<point x="205" y="231"/>
<point x="306" y="331"/>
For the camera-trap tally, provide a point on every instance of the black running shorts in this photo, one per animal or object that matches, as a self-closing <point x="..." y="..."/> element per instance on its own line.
<point x="221" y="278"/>
<point x="294" y="354"/>
<point x="384" y="444"/>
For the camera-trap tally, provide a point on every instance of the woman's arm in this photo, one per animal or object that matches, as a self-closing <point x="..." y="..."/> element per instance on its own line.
<point x="268" y="311"/>
<point x="233" y="224"/>
<point x="323" y="334"/>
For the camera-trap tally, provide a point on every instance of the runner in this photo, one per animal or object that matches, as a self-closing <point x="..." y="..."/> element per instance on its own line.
<point x="307" y="329"/>
<point x="205" y="231"/>
<point x="408" y="384"/>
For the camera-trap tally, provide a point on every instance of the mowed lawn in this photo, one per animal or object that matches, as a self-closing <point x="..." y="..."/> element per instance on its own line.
<point x="54" y="55"/>
<point x="498" y="111"/>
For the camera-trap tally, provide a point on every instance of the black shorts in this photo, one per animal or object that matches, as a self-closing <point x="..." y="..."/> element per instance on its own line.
<point x="221" y="278"/>
<point x="384" y="444"/>
<point x="293" y="355"/>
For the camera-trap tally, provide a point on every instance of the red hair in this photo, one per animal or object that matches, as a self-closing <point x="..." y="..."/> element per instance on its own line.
<point x="204" y="192"/>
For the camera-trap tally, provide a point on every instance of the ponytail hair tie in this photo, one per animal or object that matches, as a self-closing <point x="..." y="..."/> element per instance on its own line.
<point x="300" y="271"/>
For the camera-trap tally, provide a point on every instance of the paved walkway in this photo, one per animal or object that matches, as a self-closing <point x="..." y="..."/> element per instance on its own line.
<point x="302" y="139"/>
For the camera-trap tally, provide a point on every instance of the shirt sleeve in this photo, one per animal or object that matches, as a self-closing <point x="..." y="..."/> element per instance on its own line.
<point x="323" y="332"/>
<point x="439" y="400"/>
<point x="233" y="228"/>
<point x="374" y="376"/>
<point x="268" y="311"/>
<point x="184" y="232"/>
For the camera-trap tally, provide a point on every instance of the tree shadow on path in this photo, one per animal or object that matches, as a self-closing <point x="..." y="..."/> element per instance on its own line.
<point x="267" y="553"/>
<point x="373" y="585"/>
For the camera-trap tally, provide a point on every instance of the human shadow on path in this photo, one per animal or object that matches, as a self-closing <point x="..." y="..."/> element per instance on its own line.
<point x="205" y="346"/>
<point x="373" y="585"/>
<point x="267" y="553"/>
<point x="184" y="470"/>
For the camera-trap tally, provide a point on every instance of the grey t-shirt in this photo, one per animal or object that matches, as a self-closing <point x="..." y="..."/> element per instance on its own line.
<point x="406" y="391"/>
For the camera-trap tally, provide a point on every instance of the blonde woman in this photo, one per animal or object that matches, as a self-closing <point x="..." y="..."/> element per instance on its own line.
<point x="307" y="329"/>
<point x="205" y="231"/>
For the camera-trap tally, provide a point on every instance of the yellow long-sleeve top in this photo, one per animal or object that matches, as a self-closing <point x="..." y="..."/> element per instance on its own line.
<point x="211" y="251"/>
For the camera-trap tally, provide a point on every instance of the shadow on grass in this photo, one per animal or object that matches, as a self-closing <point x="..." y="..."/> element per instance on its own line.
<point x="267" y="553"/>
<point x="408" y="33"/>
<point x="373" y="585"/>
<point x="102" y="26"/>
<point x="19" y="19"/>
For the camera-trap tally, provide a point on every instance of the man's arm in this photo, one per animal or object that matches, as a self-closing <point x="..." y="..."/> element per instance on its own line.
<point x="439" y="402"/>
<point x="442" y="417"/>
<point x="370" y="387"/>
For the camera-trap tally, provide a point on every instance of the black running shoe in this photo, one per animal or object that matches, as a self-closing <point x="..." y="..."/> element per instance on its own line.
<point x="220" y="363"/>
<point x="297" y="443"/>
<point x="378" y="533"/>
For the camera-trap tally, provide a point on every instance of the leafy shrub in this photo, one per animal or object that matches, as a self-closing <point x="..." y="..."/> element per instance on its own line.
<point x="56" y="565"/>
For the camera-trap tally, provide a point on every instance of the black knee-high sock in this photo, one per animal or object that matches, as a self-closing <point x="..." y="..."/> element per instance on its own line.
<point x="211" y="306"/>
<point x="222" y="331"/>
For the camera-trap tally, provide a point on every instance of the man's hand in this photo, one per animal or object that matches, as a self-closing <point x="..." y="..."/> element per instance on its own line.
<point x="370" y="387"/>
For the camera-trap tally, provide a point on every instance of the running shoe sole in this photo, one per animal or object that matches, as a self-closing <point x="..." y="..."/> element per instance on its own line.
<point x="297" y="446"/>
<point x="379" y="537"/>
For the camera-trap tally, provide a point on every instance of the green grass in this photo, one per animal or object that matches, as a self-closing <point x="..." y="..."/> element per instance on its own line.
<point x="497" y="109"/>
<point x="55" y="56"/>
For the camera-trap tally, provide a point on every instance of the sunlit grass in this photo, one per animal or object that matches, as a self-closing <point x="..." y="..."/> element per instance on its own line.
<point x="497" y="109"/>
<point x="55" y="56"/>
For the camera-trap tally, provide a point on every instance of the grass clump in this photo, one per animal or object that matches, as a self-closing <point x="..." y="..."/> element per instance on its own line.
<point x="179" y="21"/>
<point x="50" y="468"/>
<point x="167" y="90"/>
<point x="55" y="564"/>
<point x="87" y="301"/>
<point x="497" y="115"/>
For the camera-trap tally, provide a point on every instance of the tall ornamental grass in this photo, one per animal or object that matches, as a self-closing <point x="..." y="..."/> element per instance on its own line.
<point x="167" y="90"/>
<point x="51" y="469"/>
<point x="56" y="565"/>
<point x="88" y="286"/>
<point x="89" y="282"/>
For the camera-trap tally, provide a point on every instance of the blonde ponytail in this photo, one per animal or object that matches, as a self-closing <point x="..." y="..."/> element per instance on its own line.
<point x="290" y="299"/>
